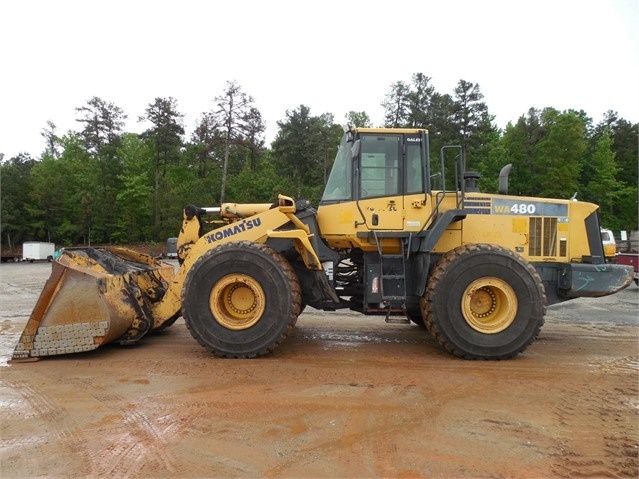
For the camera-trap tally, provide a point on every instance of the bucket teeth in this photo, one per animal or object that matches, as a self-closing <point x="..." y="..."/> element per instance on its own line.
<point x="61" y="339"/>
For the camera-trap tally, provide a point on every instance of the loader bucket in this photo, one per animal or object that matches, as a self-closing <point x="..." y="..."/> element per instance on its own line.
<point x="94" y="296"/>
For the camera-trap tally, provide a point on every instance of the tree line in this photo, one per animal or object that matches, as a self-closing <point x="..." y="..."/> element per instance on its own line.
<point x="100" y="184"/>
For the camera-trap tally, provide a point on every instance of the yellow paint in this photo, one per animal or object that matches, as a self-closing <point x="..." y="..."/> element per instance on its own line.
<point x="520" y="225"/>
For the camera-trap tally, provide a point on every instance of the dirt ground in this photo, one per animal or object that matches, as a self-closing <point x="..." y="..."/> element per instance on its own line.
<point x="345" y="396"/>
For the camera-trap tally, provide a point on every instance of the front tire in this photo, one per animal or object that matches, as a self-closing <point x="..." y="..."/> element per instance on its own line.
<point x="241" y="300"/>
<point x="484" y="302"/>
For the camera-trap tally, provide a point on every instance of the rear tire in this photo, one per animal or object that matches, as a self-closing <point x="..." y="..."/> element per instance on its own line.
<point x="241" y="300"/>
<point x="484" y="302"/>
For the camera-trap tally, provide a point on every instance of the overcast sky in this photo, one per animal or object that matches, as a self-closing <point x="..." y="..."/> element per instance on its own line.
<point x="332" y="56"/>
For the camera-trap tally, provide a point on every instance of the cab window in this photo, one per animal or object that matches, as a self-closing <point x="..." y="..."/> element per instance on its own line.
<point x="379" y="167"/>
<point x="414" y="173"/>
<point x="338" y="186"/>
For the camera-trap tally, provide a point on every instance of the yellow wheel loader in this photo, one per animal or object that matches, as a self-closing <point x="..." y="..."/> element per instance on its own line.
<point x="395" y="235"/>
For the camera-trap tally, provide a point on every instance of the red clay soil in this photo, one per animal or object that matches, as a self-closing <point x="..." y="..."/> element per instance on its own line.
<point x="345" y="396"/>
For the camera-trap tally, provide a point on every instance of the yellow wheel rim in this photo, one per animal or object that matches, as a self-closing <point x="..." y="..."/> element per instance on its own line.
<point x="489" y="305"/>
<point x="237" y="301"/>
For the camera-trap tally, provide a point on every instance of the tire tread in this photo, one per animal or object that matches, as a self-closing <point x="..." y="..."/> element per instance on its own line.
<point x="291" y="278"/>
<point x="454" y="256"/>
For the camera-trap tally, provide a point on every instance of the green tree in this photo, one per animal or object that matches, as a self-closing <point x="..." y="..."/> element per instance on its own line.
<point x="254" y="134"/>
<point x="604" y="189"/>
<point x="408" y="105"/>
<point x="238" y="123"/>
<point x="65" y="195"/>
<point x="50" y="185"/>
<point x="51" y="139"/>
<point x="14" y="198"/>
<point x="420" y="100"/>
<point x="397" y="105"/>
<point x="624" y="144"/>
<point x="520" y="141"/>
<point x="416" y="104"/>
<point x="625" y="148"/>
<point x="204" y="141"/>
<point x="491" y="163"/>
<point x="103" y="123"/>
<point x="441" y="126"/>
<point x="358" y="119"/>
<point x="559" y="154"/>
<point x="304" y="149"/>
<point x="259" y="186"/>
<point x="135" y="218"/>
<point x="470" y="117"/>
<point x="166" y="137"/>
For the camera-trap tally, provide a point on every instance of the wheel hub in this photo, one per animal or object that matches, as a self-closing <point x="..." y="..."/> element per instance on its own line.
<point x="489" y="305"/>
<point x="237" y="301"/>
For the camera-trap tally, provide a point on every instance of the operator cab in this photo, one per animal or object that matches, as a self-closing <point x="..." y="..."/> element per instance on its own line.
<point x="375" y="163"/>
<point x="380" y="184"/>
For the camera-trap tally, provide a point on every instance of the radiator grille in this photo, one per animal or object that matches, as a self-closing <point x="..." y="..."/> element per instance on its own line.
<point x="542" y="237"/>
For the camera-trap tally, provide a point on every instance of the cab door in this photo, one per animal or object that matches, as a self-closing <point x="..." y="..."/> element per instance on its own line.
<point x="416" y="201"/>
<point x="380" y="183"/>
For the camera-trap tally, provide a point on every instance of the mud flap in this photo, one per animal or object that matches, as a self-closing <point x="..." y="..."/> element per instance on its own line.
<point x="317" y="290"/>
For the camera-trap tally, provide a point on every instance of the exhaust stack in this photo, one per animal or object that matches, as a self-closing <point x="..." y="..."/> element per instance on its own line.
<point x="503" y="179"/>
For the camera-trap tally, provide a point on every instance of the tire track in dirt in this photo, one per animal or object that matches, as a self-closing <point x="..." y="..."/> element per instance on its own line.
<point x="339" y="428"/>
<point x="368" y="442"/>
<point x="355" y="438"/>
<point x="126" y="438"/>
<point x="600" y="443"/>
<point x="220" y="422"/>
<point x="134" y="441"/>
<point x="22" y="402"/>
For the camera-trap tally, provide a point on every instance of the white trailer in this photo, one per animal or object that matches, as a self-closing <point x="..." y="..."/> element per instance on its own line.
<point x="37" y="251"/>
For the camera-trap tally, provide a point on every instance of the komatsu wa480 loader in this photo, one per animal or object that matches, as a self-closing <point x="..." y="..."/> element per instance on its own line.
<point x="394" y="235"/>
